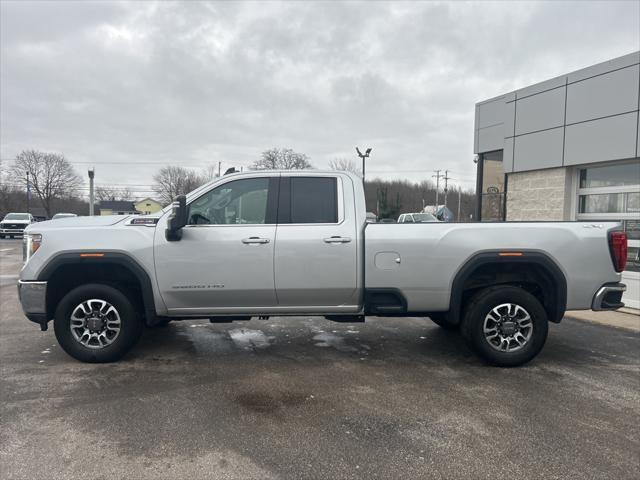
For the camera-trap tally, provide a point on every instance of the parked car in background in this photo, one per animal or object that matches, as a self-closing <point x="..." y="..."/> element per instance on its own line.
<point x="63" y="215"/>
<point x="267" y="243"/>
<point x="417" y="218"/>
<point x="13" y="224"/>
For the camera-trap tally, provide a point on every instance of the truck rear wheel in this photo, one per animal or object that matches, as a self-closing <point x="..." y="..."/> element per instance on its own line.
<point x="505" y="325"/>
<point x="97" y="323"/>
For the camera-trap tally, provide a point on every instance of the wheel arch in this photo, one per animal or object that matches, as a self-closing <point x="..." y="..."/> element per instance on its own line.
<point x="522" y="267"/>
<point x="109" y="267"/>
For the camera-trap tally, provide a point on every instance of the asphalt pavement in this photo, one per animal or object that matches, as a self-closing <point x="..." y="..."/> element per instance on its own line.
<point x="303" y="397"/>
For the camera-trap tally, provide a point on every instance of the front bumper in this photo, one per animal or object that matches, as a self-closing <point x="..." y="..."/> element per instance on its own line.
<point x="609" y="297"/>
<point x="33" y="298"/>
<point x="11" y="231"/>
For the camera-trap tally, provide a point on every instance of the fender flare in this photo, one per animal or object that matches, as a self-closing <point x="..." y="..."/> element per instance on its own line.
<point x="528" y="256"/>
<point x="118" y="258"/>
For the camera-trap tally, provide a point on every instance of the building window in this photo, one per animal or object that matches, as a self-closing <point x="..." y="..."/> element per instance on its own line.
<point x="612" y="193"/>
<point x="492" y="197"/>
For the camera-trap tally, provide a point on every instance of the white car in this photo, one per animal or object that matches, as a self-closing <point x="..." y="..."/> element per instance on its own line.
<point x="13" y="224"/>
<point x="417" y="218"/>
<point x="63" y="215"/>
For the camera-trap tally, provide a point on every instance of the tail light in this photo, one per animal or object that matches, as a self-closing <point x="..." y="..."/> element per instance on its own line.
<point x="618" y="248"/>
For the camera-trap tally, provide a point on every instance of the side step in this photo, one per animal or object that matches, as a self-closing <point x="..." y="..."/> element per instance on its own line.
<point x="228" y="319"/>
<point x="345" y="318"/>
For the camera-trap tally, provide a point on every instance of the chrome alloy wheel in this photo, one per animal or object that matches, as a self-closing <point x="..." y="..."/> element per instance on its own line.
<point x="95" y="323"/>
<point x="508" y="327"/>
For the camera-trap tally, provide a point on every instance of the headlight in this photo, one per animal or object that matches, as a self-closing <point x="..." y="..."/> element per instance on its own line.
<point x="30" y="244"/>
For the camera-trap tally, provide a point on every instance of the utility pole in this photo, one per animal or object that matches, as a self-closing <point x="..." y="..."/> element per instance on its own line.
<point x="363" y="156"/>
<point x="219" y="168"/>
<point x="437" y="177"/>
<point x="459" y="199"/>
<point x="91" y="196"/>
<point x="28" y="194"/>
<point x="446" y="181"/>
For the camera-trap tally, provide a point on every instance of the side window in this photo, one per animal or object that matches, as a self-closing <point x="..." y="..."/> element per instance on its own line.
<point x="238" y="202"/>
<point x="314" y="200"/>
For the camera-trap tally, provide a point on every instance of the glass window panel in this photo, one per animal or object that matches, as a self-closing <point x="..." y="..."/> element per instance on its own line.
<point x="237" y="202"/>
<point x="492" y="173"/>
<point x="610" y="175"/>
<point x="632" y="227"/>
<point x="633" y="260"/>
<point x="633" y="202"/>
<point x="314" y="200"/>
<point x="602" y="203"/>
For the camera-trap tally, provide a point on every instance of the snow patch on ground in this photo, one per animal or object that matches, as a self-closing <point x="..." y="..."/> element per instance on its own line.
<point x="330" y="340"/>
<point x="248" y="339"/>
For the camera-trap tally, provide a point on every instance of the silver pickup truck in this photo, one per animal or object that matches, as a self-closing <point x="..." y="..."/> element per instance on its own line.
<point x="270" y="243"/>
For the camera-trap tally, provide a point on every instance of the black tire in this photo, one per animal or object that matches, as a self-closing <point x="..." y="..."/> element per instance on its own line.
<point x="11" y="237"/>
<point x="1" y="236"/>
<point x="483" y="303"/>
<point x="131" y="324"/>
<point x="442" y="320"/>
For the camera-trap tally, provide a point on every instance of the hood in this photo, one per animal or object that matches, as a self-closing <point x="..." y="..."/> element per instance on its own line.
<point x="16" y="222"/>
<point x="78" y="222"/>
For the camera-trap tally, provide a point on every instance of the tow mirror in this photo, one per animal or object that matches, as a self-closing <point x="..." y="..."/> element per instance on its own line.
<point x="177" y="219"/>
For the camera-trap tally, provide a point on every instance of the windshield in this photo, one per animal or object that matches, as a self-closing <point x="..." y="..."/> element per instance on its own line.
<point x="17" y="216"/>
<point x="424" y="217"/>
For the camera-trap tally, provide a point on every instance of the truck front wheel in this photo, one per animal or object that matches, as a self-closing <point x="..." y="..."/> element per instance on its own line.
<point x="505" y="325"/>
<point x="96" y="323"/>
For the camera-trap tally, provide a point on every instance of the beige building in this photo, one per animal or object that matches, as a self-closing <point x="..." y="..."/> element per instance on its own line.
<point x="566" y="149"/>
<point x="117" y="207"/>
<point x="148" y="206"/>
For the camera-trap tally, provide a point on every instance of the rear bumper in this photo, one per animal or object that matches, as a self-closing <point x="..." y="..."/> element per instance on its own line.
<point x="609" y="297"/>
<point x="33" y="298"/>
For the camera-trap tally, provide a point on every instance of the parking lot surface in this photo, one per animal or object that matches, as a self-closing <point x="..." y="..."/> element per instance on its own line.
<point x="307" y="398"/>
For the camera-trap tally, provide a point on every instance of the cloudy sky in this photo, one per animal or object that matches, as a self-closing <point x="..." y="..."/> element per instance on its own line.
<point x="130" y="87"/>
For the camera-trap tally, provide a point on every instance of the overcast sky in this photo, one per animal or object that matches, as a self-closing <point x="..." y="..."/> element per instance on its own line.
<point x="129" y="87"/>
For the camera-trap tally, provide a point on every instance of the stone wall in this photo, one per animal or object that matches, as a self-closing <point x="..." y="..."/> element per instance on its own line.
<point x="539" y="195"/>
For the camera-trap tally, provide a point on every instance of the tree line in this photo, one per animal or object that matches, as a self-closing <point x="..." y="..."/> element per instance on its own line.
<point x="55" y="185"/>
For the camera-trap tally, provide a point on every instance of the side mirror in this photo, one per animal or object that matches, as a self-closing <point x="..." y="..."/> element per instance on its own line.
<point x="177" y="219"/>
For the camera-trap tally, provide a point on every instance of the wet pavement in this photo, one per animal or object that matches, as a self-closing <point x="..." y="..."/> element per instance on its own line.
<point x="303" y="397"/>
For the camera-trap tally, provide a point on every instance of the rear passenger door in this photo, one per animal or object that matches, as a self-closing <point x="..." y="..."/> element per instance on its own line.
<point x="315" y="260"/>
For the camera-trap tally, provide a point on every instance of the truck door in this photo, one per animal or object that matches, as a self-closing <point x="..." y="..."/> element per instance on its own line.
<point x="224" y="261"/>
<point x="316" y="244"/>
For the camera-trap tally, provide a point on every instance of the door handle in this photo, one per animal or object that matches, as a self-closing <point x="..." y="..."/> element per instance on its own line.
<point x="337" y="239"/>
<point x="251" y="240"/>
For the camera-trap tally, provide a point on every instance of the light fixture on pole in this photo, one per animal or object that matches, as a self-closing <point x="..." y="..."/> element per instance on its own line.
<point x="363" y="156"/>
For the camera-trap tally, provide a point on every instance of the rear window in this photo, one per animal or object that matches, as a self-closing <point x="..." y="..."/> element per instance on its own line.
<point x="314" y="200"/>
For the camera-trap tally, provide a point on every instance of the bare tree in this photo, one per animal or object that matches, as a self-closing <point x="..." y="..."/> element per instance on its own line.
<point x="173" y="181"/>
<point x="111" y="193"/>
<point x="209" y="173"/>
<point x="282" y="159"/>
<point x="51" y="176"/>
<point x="344" y="165"/>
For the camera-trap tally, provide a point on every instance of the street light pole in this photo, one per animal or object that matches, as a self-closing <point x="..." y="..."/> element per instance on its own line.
<point x="91" y="197"/>
<point x="363" y="156"/>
